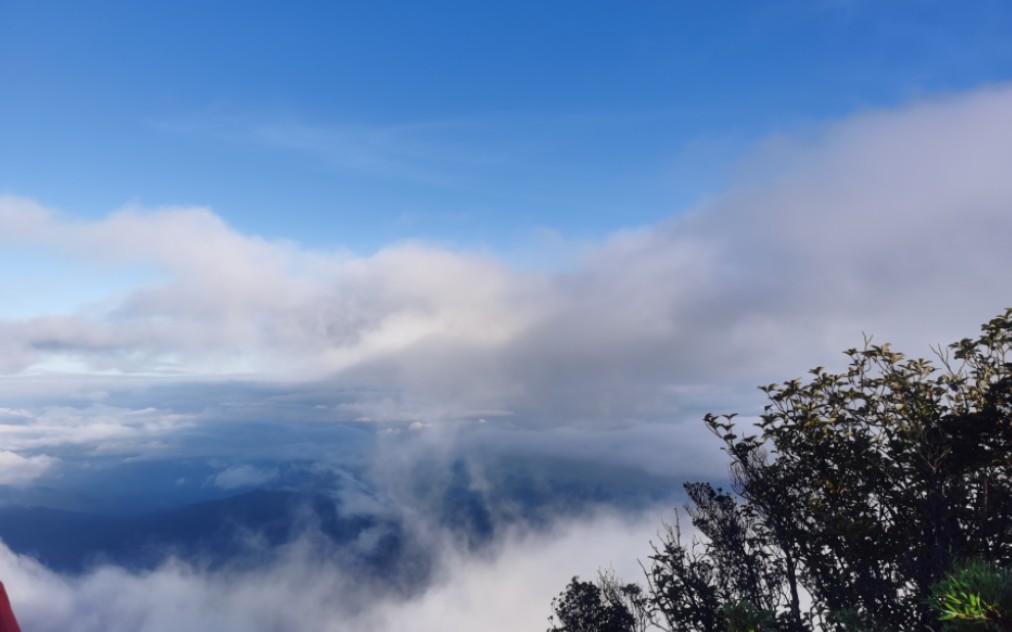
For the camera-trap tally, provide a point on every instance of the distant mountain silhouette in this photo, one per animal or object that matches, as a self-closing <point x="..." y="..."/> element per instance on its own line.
<point x="239" y="529"/>
<point x="472" y="499"/>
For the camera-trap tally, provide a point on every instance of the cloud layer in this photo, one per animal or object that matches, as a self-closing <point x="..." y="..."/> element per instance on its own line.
<point x="508" y="589"/>
<point x="889" y="222"/>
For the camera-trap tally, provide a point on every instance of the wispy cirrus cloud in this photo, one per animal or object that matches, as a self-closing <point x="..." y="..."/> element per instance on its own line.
<point x="427" y="152"/>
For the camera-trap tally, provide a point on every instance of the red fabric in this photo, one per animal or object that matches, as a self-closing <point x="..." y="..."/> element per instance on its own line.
<point x="7" y="621"/>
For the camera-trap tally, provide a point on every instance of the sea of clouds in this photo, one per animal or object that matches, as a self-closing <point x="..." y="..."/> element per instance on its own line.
<point x="891" y="222"/>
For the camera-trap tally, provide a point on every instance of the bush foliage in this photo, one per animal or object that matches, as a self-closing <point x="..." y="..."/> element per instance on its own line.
<point x="850" y="506"/>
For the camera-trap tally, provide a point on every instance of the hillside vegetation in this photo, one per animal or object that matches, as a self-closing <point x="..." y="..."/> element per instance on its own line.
<point x="879" y="498"/>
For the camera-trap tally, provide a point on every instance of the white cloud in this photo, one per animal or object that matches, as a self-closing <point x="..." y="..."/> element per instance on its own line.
<point x="509" y="589"/>
<point x="512" y="589"/>
<point x="96" y="427"/>
<point x="237" y="476"/>
<point x="890" y="222"/>
<point x="19" y="470"/>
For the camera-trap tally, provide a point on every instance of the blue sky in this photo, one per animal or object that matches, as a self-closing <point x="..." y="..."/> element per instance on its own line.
<point x="471" y="125"/>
